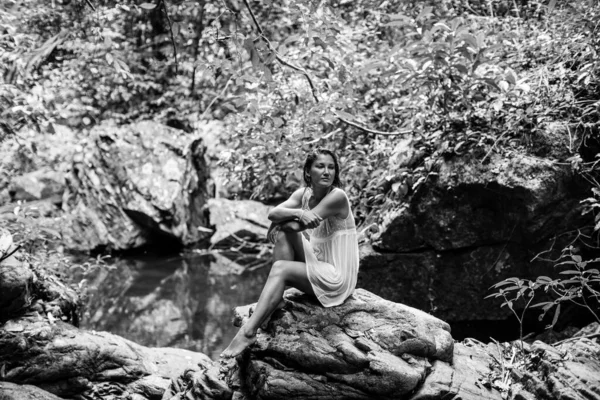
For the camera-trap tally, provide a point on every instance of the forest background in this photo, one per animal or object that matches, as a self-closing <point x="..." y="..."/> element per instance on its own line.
<point x="367" y="79"/>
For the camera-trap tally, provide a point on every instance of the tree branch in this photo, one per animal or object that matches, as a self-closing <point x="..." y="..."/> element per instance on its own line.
<point x="373" y="131"/>
<point x="164" y="4"/>
<point x="278" y="57"/>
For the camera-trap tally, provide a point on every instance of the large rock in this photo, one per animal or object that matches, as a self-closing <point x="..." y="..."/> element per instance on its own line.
<point x="12" y="391"/>
<point x="23" y="286"/>
<point x="565" y="371"/>
<point x="37" y="185"/>
<point x="16" y="284"/>
<point x="240" y="235"/>
<point x="237" y="222"/>
<point x="66" y="361"/>
<point x="370" y="348"/>
<point x="470" y="228"/>
<point x="367" y="348"/>
<point x="135" y="185"/>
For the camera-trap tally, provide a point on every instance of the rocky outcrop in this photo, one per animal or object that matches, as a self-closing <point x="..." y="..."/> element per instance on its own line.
<point x="240" y="235"/>
<point x="370" y="348"/>
<point x="24" y="288"/>
<point x="12" y="391"/>
<point x="569" y="370"/>
<point x="37" y="185"/>
<point x="367" y="348"/>
<point x="40" y="344"/>
<point x="135" y="185"/>
<point x="237" y="223"/>
<point x="50" y="151"/>
<point x="63" y="360"/>
<point x="469" y="228"/>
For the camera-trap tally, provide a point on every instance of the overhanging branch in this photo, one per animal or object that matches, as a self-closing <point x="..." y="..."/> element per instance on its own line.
<point x="373" y="131"/>
<point x="278" y="57"/>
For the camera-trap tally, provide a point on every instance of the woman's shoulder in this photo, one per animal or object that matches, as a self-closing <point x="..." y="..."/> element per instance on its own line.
<point x="339" y="193"/>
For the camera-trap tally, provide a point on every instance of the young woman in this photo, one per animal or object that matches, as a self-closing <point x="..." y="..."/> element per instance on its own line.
<point x="316" y="247"/>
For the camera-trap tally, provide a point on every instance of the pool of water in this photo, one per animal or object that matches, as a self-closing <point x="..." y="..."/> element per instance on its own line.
<point x="183" y="301"/>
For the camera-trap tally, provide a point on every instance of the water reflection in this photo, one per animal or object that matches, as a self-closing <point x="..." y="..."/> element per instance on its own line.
<point x="177" y="301"/>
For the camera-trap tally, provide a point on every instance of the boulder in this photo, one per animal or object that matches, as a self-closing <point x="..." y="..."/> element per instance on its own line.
<point x="63" y="360"/>
<point x="566" y="371"/>
<point x="366" y="348"/>
<point x="16" y="283"/>
<point x="469" y="228"/>
<point x="12" y="391"/>
<point x="37" y="185"/>
<point x="240" y="235"/>
<point x="24" y="286"/>
<point x="136" y="185"/>
<point x="239" y="223"/>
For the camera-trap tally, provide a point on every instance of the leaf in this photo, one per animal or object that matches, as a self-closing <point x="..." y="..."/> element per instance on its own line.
<point x="148" y="6"/>
<point x="551" y="5"/>
<point x="344" y="115"/>
<point x="556" y="314"/>
<point x="51" y="232"/>
<point x="470" y="40"/>
<point x="511" y="77"/>
<point x="543" y="279"/>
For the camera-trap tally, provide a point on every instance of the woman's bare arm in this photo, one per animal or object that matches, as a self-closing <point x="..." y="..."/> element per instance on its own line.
<point x="334" y="204"/>
<point x="289" y="209"/>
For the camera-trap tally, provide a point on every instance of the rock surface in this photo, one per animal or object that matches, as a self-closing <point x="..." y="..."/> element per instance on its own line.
<point x="12" y="391"/>
<point x="567" y="371"/>
<point x="367" y="348"/>
<point x="237" y="221"/>
<point x="240" y="235"/>
<point x="370" y="348"/>
<point x="472" y="227"/>
<point x="135" y="185"/>
<point x="66" y="361"/>
<point x="37" y="185"/>
<point x="22" y="288"/>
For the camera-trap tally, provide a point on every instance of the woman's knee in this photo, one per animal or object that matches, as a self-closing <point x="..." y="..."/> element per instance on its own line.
<point x="282" y="270"/>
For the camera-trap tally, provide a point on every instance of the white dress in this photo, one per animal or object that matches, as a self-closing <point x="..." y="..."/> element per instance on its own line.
<point x="331" y="252"/>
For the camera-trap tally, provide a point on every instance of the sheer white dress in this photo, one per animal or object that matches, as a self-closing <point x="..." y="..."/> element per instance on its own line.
<point x="331" y="252"/>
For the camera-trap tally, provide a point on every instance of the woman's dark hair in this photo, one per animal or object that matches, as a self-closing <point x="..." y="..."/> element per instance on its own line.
<point x="310" y="159"/>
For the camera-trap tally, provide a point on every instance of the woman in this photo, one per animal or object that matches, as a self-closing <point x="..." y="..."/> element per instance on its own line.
<point x="316" y="247"/>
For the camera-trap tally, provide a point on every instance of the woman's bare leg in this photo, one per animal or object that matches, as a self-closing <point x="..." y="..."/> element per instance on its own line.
<point x="288" y="247"/>
<point x="283" y="273"/>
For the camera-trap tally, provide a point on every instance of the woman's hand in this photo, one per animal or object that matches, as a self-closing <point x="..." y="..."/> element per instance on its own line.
<point x="310" y="219"/>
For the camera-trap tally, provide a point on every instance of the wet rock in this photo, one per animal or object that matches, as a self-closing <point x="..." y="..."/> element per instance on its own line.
<point x="135" y="185"/>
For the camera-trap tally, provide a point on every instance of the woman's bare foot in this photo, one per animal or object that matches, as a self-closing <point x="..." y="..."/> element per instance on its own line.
<point x="240" y="342"/>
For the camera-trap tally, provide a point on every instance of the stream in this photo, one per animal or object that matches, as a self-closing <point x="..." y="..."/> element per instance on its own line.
<point x="183" y="301"/>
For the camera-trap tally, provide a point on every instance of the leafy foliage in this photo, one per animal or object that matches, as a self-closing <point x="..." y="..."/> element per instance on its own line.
<point x="579" y="284"/>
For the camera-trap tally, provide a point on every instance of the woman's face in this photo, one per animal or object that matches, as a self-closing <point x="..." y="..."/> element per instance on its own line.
<point x="322" y="171"/>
